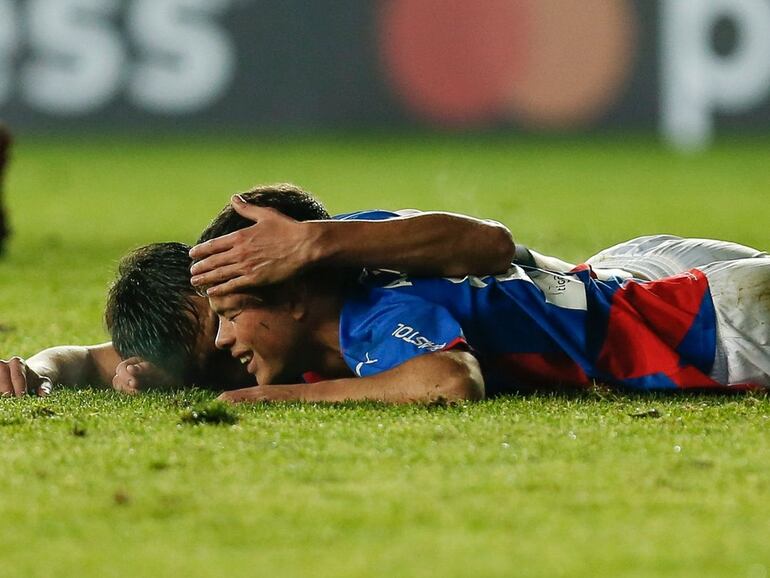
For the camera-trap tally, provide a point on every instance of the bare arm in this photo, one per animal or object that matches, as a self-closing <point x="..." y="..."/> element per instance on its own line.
<point x="277" y="247"/>
<point x="97" y="365"/>
<point x="441" y="244"/>
<point x="441" y="376"/>
<point x="77" y="364"/>
<point x="65" y="365"/>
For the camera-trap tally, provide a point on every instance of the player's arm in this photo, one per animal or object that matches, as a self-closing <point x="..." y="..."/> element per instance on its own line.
<point x="441" y="376"/>
<point x="77" y="365"/>
<point x="277" y="247"/>
<point x="94" y="365"/>
<point x="64" y="365"/>
<point x="428" y="244"/>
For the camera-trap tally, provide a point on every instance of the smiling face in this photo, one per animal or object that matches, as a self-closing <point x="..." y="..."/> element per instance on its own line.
<point x="267" y="339"/>
<point x="212" y="367"/>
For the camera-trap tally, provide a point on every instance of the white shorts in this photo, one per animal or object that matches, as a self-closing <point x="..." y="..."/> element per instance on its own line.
<point x="741" y="294"/>
<point x="658" y="256"/>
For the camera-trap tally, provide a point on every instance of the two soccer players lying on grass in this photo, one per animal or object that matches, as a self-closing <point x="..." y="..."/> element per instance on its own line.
<point x="330" y="335"/>
<point x="165" y="330"/>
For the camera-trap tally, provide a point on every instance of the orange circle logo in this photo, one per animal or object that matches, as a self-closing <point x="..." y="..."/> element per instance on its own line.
<point x="545" y="63"/>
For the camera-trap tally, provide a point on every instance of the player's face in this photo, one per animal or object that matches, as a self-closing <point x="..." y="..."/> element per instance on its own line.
<point x="264" y="338"/>
<point x="215" y="368"/>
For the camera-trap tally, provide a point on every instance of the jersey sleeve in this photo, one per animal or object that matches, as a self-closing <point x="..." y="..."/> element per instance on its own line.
<point x="375" y="215"/>
<point x="383" y="329"/>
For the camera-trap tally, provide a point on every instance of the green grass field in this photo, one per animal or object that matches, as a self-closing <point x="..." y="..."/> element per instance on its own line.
<point x="95" y="484"/>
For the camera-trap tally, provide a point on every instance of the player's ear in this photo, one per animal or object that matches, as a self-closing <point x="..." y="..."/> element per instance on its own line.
<point x="297" y="297"/>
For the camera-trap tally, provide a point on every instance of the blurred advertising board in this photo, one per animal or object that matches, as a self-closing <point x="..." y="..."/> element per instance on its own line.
<point x="686" y="68"/>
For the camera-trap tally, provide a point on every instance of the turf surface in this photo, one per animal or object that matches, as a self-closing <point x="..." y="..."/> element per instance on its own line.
<point x="100" y="485"/>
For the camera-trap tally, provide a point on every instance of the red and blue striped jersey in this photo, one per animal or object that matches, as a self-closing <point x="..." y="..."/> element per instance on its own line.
<point x="534" y="328"/>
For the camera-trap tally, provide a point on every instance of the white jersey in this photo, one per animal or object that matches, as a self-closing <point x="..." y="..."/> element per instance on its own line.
<point x="658" y="256"/>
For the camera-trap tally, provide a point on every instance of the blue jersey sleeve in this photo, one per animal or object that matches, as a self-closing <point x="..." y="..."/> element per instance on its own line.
<point x="381" y="329"/>
<point x="374" y="215"/>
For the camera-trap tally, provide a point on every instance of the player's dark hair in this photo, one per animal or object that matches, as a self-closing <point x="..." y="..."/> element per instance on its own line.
<point x="289" y="199"/>
<point x="151" y="310"/>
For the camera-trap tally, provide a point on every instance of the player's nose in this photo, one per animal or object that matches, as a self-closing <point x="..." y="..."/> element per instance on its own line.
<point x="225" y="336"/>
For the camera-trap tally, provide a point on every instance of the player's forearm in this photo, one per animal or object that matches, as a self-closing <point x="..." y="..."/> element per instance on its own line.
<point x="447" y="376"/>
<point x="425" y="244"/>
<point x="76" y="364"/>
<point x="443" y="376"/>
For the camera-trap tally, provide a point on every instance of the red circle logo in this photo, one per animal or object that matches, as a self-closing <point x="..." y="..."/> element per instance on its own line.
<point x="545" y="63"/>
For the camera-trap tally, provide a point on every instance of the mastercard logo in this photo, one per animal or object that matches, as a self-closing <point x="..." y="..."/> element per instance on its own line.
<point x="546" y="64"/>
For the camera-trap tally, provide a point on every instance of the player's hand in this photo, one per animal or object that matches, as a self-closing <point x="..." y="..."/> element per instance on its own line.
<point x="260" y="393"/>
<point x="272" y="250"/>
<point x="17" y="379"/>
<point x="134" y="375"/>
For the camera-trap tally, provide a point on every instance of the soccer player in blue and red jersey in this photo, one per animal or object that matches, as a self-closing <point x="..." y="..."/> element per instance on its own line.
<point x="399" y="339"/>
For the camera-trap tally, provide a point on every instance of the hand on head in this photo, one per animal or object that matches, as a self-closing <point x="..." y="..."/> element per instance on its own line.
<point x="272" y="250"/>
